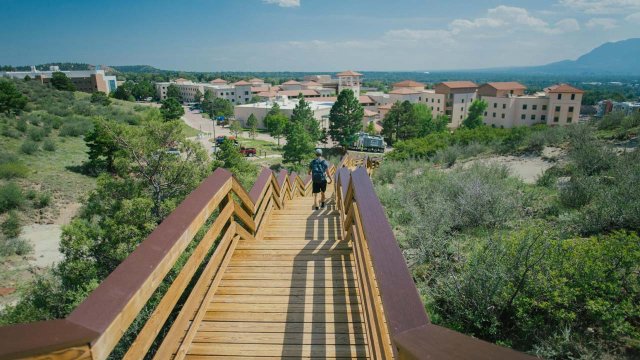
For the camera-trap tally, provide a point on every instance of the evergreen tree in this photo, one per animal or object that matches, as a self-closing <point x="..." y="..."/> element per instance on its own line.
<point x="123" y="93"/>
<point x="102" y="147"/>
<point x="235" y="127"/>
<point x="252" y="124"/>
<point x="474" y="120"/>
<point x="371" y="129"/>
<point x="171" y="109"/>
<point x="60" y="81"/>
<point x="11" y="100"/>
<point x="345" y="118"/>
<point x="173" y="92"/>
<point x="101" y="98"/>
<point x="276" y="124"/>
<point x="302" y="114"/>
<point x="198" y="96"/>
<point x="299" y="144"/>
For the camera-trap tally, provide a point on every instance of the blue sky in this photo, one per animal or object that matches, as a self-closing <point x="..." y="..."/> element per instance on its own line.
<point x="310" y="35"/>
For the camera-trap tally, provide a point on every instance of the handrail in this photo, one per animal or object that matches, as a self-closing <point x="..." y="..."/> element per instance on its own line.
<point x="395" y="319"/>
<point x="96" y="326"/>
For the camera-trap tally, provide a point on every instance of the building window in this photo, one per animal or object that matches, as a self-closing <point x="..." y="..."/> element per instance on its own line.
<point x="533" y="116"/>
<point x="570" y="109"/>
<point x="524" y="107"/>
<point x="523" y="116"/>
<point x="420" y="98"/>
<point x="556" y="119"/>
<point x="432" y="100"/>
<point x="569" y="119"/>
<point x="485" y="113"/>
<point x="543" y="117"/>
<point x="438" y="101"/>
<point x="534" y="107"/>
<point x="246" y="93"/>
<point x="495" y="105"/>
<point x="544" y="107"/>
<point x="573" y="96"/>
<point x="438" y="108"/>
<point x="494" y="114"/>
<point x="463" y="101"/>
<point x="502" y="116"/>
<point x="557" y="108"/>
<point x="504" y="106"/>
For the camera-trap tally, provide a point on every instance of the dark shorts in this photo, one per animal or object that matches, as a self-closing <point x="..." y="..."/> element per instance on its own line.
<point x="319" y="186"/>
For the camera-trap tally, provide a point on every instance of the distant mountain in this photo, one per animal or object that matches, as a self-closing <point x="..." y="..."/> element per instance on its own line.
<point x="612" y="58"/>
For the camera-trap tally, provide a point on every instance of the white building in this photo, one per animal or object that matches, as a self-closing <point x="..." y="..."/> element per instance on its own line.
<point x="83" y="80"/>
<point x="260" y="110"/>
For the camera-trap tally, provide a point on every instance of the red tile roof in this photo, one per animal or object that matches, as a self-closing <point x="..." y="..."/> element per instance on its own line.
<point x="369" y="113"/>
<point x="563" y="88"/>
<point x="256" y="80"/>
<point x="364" y="99"/>
<point x="268" y="94"/>
<point x="385" y="106"/>
<point x="218" y="81"/>
<point x="510" y="85"/>
<point x="459" y="84"/>
<point x="408" y="83"/>
<point x="404" y="91"/>
<point x="257" y="89"/>
<point x="241" y="83"/>
<point x="291" y="82"/>
<point x="349" y="73"/>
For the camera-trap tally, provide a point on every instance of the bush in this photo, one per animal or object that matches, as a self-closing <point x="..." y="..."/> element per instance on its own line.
<point x="36" y="134"/>
<point x="49" y="145"/>
<point x="11" y="132"/>
<point x="29" y="147"/>
<point x="10" y="170"/>
<point x="11" y="226"/>
<point x="21" y="125"/>
<point x="15" y="246"/>
<point x="76" y="126"/>
<point x="447" y="157"/>
<point x="11" y="197"/>
<point x="42" y="200"/>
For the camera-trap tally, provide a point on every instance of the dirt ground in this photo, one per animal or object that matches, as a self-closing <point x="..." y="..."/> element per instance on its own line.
<point x="527" y="168"/>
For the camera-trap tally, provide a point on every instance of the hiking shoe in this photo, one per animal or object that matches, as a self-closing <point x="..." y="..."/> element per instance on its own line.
<point x="316" y="208"/>
<point x="322" y="205"/>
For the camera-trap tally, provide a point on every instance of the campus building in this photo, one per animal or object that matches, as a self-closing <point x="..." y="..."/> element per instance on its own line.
<point x="260" y="110"/>
<point x="508" y="103"/>
<point x="84" y="80"/>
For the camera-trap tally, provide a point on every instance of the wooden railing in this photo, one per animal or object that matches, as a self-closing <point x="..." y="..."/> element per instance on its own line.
<point x="396" y="323"/>
<point x="96" y="326"/>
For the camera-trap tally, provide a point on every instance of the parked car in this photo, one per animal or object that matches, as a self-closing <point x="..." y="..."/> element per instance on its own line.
<point x="248" y="151"/>
<point x="222" y="138"/>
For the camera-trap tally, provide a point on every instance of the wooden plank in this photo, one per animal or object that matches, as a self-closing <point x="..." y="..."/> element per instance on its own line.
<point x="186" y="342"/>
<point x="246" y="219"/>
<point x="72" y="353"/>
<point x="284" y="308"/>
<point x="220" y="337"/>
<point x="294" y="245"/>
<point x="290" y="257"/>
<point x="244" y="234"/>
<point x="278" y="350"/>
<point x="282" y="317"/>
<point x="311" y="270"/>
<point x="279" y="283"/>
<point x="281" y="327"/>
<point x="284" y="263"/>
<point x="169" y="344"/>
<point x="286" y="299"/>
<point x="152" y="327"/>
<point x="243" y="195"/>
<point x="293" y="252"/>
<point x="308" y="291"/>
<point x="225" y="357"/>
<point x="309" y="275"/>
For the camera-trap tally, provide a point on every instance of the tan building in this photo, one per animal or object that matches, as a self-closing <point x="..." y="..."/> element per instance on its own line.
<point x="508" y="106"/>
<point x="261" y="109"/>
<point x="349" y="80"/>
<point x="83" y="80"/>
<point x="458" y="97"/>
<point x="409" y="84"/>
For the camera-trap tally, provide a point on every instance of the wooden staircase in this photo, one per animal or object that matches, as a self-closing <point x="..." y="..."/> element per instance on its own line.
<point x="290" y="295"/>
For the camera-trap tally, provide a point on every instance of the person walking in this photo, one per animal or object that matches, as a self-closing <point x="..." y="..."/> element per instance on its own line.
<point x="319" y="171"/>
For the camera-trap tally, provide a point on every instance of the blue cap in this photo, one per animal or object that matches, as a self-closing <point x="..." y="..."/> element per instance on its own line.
<point x="318" y="151"/>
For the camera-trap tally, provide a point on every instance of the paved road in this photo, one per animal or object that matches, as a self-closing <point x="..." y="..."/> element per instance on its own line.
<point x="197" y="121"/>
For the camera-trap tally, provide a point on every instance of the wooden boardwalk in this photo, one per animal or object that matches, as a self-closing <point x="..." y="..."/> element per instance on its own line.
<point x="292" y="294"/>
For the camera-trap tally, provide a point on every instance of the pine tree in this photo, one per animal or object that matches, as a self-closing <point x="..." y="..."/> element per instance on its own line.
<point x="299" y="144"/>
<point x="252" y="124"/>
<point x="303" y="114"/>
<point x="276" y="122"/>
<point x="345" y="118"/>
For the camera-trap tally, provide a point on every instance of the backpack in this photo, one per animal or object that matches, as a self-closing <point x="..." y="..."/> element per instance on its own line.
<point x="318" y="169"/>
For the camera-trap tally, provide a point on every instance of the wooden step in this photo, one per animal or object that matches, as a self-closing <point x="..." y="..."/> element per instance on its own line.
<point x="298" y="351"/>
<point x="301" y="291"/>
<point x="280" y="327"/>
<point x="286" y="299"/>
<point x="282" y="317"/>
<point x="304" y="283"/>
<point x="285" y="338"/>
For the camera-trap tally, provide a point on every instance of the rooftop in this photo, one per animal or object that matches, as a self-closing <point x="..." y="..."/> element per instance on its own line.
<point x="404" y="91"/>
<point x="459" y="84"/>
<point x="287" y="104"/>
<point x="295" y="93"/>
<point x="510" y="85"/>
<point x="218" y="81"/>
<point x="408" y="83"/>
<point x="291" y="82"/>
<point x="364" y="99"/>
<point x="349" y="73"/>
<point x="242" y="83"/>
<point x="563" y="88"/>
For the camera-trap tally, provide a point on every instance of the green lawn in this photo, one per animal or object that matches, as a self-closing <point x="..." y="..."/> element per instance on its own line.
<point x="262" y="146"/>
<point x="188" y="131"/>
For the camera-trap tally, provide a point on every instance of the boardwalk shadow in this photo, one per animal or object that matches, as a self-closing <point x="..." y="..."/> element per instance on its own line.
<point x="323" y="319"/>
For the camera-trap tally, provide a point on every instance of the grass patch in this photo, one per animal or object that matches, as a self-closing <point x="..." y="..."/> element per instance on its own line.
<point x="188" y="131"/>
<point x="262" y="146"/>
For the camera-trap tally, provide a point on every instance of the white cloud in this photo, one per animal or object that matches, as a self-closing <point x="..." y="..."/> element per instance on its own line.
<point x="602" y="6"/>
<point x="633" y="18"/>
<point x="283" y="3"/>
<point x="604" y="23"/>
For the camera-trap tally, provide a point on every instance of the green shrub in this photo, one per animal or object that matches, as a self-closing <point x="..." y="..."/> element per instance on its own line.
<point x="76" y="126"/>
<point x="11" y="197"/>
<point x="29" y="147"/>
<point x="447" y="157"/>
<point x="21" y="125"/>
<point x="15" y="246"/>
<point x="36" y="134"/>
<point x="42" y="200"/>
<point x="11" y="226"/>
<point x="10" y="170"/>
<point x="30" y="194"/>
<point x="611" y="121"/>
<point x="49" y="145"/>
